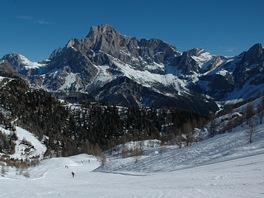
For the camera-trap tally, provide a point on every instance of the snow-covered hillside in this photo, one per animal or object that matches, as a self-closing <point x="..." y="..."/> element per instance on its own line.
<point x="170" y="158"/>
<point x="27" y="145"/>
<point x="226" y="165"/>
<point x="37" y="148"/>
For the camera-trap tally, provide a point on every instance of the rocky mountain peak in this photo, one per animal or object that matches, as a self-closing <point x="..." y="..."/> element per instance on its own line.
<point x="101" y="29"/>
<point x="104" y="40"/>
<point x="196" y="51"/>
<point x="103" y="37"/>
<point x="256" y="49"/>
<point x="255" y="53"/>
<point x="14" y="59"/>
<point x="143" y="71"/>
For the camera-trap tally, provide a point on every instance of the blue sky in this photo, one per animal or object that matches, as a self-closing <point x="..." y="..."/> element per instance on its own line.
<point x="35" y="28"/>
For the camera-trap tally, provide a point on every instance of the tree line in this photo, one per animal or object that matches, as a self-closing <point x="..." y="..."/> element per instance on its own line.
<point x="90" y="127"/>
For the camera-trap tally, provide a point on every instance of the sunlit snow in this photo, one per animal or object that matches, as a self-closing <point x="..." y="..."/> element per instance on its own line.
<point x="28" y="64"/>
<point x="70" y="79"/>
<point x="223" y="166"/>
<point x="38" y="149"/>
<point x="149" y="79"/>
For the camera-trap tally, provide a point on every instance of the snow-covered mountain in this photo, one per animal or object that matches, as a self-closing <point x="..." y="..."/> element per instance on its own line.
<point x="122" y="70"/>
<point x="240" y="77"/>
<point x="23" y="65"/>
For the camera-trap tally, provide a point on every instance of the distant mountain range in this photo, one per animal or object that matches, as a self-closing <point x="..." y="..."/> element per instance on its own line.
<point x="121" y="70"/>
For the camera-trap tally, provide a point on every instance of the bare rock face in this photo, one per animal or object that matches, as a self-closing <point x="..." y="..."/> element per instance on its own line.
<point x="186" y="64"/>
<point x="254" y="54"/>
<point x="250" y="69"/>
<point x="6" y="70"/>
<point x="104" y="39"/>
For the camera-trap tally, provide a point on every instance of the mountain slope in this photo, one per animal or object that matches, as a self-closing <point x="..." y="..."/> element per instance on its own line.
<point x="220" y="148"/>
<point x="214" y="148"/>
<point x="122" y="70"/>
<point x="241" y="77"/>
<point x="67" y="129"/>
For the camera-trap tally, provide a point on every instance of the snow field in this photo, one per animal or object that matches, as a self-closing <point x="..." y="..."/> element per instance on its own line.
<point x="241" y="177"/>
<point x="223" y="166"/>
<point x="222" y="147"/>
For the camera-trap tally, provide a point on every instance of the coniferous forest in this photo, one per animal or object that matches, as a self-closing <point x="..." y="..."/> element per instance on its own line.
<point x="89" y="127"/>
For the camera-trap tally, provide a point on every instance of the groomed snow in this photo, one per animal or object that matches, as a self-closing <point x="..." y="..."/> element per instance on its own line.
<point x="236" y="178"/>
<point x="223" y="166"/>
<point x="213" y="150"/>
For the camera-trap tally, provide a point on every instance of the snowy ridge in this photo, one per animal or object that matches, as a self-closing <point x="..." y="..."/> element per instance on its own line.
<point x="28" y="64"/>
<point x="143" y="77"/>
<point x="203" y="58"/>
<point x="148" y="79"/>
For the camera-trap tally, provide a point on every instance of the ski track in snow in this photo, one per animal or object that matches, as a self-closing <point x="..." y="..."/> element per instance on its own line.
<point x="241" y="177"/>
<point x="223" y="166"/>
<point x="220" y="148"/>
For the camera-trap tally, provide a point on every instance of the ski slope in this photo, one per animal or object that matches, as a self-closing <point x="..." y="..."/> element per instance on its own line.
<point x="241" y="177"/>
<point x="223" y="166"/>
<point x="220" y="148"/>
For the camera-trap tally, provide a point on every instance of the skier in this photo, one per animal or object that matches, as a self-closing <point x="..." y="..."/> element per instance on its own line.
<point x="72" y="174"/>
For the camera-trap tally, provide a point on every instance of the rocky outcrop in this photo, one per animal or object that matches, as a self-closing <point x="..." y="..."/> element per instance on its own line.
<point x="254" y="55"/>
<point x="6" y="70"/>
<point x="249" y="72"/>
